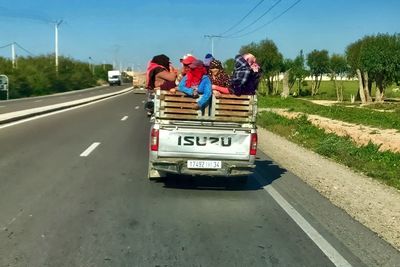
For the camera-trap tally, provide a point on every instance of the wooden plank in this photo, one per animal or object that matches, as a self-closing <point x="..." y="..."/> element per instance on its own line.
<point x="232" y="102"/>
<point x="230" y="96"/>
<point x="180" y="111"/>
<point x="231" y="119"/>
<point x="232" y="113"/>
<point x="178" y="105"/>
<point x="232" y="107"/>
<point x="179" y="99"/>
<point x="180" y="117"/>
<point x="177" y="93"/>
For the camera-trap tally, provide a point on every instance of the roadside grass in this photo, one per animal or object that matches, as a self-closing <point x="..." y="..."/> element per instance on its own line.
<point x="364" y="116"/>
<point x="327" y="90"/>
<point x="384" y="166"/>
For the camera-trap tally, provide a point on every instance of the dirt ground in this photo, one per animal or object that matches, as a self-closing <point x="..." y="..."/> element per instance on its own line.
<point x="387" y="139"/>
<point x="370" y="202"/>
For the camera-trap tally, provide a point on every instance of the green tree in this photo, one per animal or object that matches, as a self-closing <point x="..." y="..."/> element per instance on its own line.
<point x="338" y="68"/>
<point x="318" y="62"/>
<point x="229" y="65"/>
<point x="380" y="56"/>
<point x="375" y="59"/>
<point x="298" y="72"/>
<point x="353" y="52"/>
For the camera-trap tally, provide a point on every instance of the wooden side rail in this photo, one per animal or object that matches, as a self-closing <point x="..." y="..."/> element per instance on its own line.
<point x="226" y="107"/>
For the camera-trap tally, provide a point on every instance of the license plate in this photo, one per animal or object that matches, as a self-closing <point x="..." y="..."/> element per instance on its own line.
<point x="204" y="164"/>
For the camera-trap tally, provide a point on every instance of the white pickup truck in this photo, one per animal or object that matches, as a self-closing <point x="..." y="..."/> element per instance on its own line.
<point x="219" y="141"/>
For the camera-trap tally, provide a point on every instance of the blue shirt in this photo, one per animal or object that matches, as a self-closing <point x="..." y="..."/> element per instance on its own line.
<point x="204" y="89"/>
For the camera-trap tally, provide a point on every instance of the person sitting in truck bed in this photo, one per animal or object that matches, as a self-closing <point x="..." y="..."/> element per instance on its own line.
<point x="160" y="73"/>
<point x="220" y="80"/>
<point x="195" y="82"/>
<point x="246" y="75"/>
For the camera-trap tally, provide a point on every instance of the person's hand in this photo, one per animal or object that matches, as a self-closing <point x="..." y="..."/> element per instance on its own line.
<point x="172" y="69"/>
<point x="173" y="90"/>
<point x="195" y="93"/>
<point x="216" y="93"/>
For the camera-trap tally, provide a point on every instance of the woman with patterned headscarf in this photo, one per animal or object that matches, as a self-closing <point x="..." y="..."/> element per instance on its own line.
<point x="246" y="75"/>
<point x="220" y="80"/>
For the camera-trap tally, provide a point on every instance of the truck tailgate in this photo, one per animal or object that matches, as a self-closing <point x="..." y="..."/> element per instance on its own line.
<point x="204" y="143"/>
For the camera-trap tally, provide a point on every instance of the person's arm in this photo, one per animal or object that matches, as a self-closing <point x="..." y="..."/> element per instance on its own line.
<point x="183" y="88"/>
<point x="166" y="75"/>
<point x="205" y="90"/>
<point x="221" y="89"/>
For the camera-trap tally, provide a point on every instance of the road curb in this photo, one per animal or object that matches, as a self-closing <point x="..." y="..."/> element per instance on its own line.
<point x="23" y="114"/>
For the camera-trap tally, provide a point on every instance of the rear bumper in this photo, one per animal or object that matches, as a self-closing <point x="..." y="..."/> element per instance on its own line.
<point x="229" y="168"/>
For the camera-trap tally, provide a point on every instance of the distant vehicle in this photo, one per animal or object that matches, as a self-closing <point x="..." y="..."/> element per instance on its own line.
<point x="114" y="77"/>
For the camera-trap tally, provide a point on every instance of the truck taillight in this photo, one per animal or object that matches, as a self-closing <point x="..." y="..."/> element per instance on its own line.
<point x="253" y="144"/>
<point x="154" y="140"/>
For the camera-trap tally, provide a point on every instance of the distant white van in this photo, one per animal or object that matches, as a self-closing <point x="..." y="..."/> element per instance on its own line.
<point x="114" y="77"/>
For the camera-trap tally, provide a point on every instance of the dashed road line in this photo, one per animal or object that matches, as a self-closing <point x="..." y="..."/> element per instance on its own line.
<point x="137" y="107"/>
<point x="124" y="118"/>
<point x="90" y="149"/>
<point x="336" y="258"/>
<point x="4" y="228"/>
<point x="37" y="101"/>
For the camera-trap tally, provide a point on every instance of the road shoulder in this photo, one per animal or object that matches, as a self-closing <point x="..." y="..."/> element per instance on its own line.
<point x="370" y="202"/>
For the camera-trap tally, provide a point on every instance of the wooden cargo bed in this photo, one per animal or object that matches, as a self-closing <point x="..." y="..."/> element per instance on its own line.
<point x="228" y="108"/>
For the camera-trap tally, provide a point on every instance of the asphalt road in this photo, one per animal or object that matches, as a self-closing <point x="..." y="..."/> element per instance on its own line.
<point x="64" y="205"/>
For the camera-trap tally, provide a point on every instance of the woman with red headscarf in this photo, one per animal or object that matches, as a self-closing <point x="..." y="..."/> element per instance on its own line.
<point x="196" y="81"/>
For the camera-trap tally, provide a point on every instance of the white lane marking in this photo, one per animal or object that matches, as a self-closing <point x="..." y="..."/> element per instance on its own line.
<point x="59" y="111"/>
<point x="313" y="234"/>
<point x="2" y="106"/>
<point x="36" y="101"/>
<point x="137" y="107"/>
<point x="90" y="149"/>
<point x="143" y="101"/>
<point x="4" y="228"/>
<point x="124" y="118"/>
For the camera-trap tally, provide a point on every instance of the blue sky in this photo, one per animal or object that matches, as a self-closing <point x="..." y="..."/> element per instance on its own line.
<point x="132" y="32"/>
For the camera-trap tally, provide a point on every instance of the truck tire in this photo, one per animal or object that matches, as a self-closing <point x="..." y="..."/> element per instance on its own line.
<point x="243" y="179"/>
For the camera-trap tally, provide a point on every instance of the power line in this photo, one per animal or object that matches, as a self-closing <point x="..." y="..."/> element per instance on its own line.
<point x="255" y="21"/>
<point x="240" y="21"/>
<point x="27" y="51"/>
<point x="4" y="46"/>
<point x="266" y="24"/>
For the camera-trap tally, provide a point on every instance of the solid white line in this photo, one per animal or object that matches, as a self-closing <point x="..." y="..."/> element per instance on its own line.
<point x="36" y="101"/>
<point x="124" y="118"/>
<point x="90" y="149"/>
<point x="313" y="234"/>
<point x="137" y="107"/>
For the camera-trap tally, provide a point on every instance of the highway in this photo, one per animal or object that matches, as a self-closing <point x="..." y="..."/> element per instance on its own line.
<point x="73" y="192"/>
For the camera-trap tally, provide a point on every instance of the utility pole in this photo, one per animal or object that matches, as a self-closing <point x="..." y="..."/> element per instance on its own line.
<point x="13" y="55"/>
<point x="56" y="41"/>
<point x="211" y="37"/>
